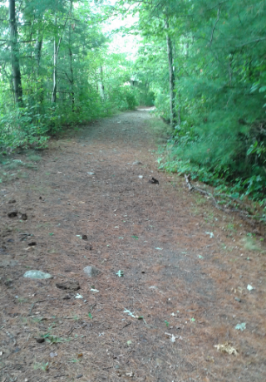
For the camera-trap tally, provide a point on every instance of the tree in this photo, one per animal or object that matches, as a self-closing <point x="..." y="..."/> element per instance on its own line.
<point x="15" y="52"/>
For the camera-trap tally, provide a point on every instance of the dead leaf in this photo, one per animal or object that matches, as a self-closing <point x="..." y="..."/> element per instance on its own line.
<point x="226" y="348"/>
<point x="131" y="374"/>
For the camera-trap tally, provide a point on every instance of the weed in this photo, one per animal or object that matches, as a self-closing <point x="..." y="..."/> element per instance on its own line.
<point x="34" y="157"/>
<point x="37" y="320"/>
<point x="31" y="166"/>
<point x="209" y="218"/>
<point x="22" y="175"/>
<point x="22" y="300"/>
<point x="52" y="339"/>
<point x="41" y="366"/>
<point x="75" y="360"/>
<point x="251" y="244"/>
<point x="231" y="227"/>
<point x="200" y="200"/>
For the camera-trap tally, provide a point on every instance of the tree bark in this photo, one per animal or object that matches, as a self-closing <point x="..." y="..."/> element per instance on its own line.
<point x="15" y="53"/>
<point x="71" y="80"/>
<point x="38" y="51"/>
<point x="55" y="73"/>
<point x="56" y="51"/>
<point x="100" y="83"/>
<point x="171" y="77"/>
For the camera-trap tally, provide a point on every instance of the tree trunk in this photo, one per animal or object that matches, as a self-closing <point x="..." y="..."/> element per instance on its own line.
<point x="100" y="83"/>
<point x="71" y="80"/>
<point x="15" y="53"/>
<point x="55" y="73"/>
<point x="38" y="52"/>
<point x="171" y="77"/>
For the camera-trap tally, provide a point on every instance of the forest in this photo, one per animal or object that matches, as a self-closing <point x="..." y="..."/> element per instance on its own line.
<point x="200" y="63"/>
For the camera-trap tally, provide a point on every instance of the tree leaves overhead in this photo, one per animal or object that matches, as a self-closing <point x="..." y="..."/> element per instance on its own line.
<point x="59" y="51"/>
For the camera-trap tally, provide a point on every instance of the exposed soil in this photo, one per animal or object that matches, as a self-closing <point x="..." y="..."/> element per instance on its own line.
<point x="185" y="268"/>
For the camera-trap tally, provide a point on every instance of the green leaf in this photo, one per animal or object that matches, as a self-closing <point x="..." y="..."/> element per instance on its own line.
<point x="262" y="89"/>
<point x="120" y="273"/>
<point x="241" y="326"/>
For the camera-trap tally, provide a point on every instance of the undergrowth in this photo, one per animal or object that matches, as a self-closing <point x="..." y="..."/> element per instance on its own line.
<point x="225" y="159"/>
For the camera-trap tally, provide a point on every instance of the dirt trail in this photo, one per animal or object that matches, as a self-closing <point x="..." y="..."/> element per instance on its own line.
<point x="185" y="269"/>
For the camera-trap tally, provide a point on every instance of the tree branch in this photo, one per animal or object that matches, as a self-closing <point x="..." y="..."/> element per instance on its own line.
<point x="216" y="22"/>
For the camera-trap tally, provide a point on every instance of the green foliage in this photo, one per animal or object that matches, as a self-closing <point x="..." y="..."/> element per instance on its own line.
<point x="219" y="87"/>
<point x="67" y="92"/>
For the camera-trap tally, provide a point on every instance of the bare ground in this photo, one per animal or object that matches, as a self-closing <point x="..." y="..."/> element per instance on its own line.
<point x="186" y="267"/>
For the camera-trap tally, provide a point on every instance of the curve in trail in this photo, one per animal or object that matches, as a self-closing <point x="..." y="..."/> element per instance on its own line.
<point x="182" y="276"/>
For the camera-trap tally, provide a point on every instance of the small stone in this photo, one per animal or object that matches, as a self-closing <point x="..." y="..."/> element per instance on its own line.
<point x="37" y="275"/>
<point x="40" y="340"/>
<point x="71" y="285"/>
<point x="136" y="163"/>
<point x="8" y="283"/>
<point x="84" y="237"/>
<point x="238" y="299"/>
<point x="88" y="247"/>
<point x="79" y="376"/>
<point x="91" y="271"/>
<point x="24" y="217"/>
<point x="13" y="214"/>
<point x="12" y="201"/>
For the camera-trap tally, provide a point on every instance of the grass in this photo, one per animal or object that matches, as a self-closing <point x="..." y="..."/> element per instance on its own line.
<point x="251" y="244"/>
<point x="34" y="157"/>
<point x="53" y="339"/>
<point x="44" y="366"/>
<point x="22" y="300"/>
<point x="231" y="227"/>
<point x="37" y="320"/>
<point x="159" y="129"/>
<point x="11" y="168"/>
<point x="75" y="317"/>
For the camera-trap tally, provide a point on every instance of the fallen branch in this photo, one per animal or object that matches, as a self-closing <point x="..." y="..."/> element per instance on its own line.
<point x="243" y="213"/>
<point x="200" y="190"/>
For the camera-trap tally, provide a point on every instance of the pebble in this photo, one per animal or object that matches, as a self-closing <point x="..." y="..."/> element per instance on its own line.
<point x="91" y="271"/>
<point x="37" y="275"/>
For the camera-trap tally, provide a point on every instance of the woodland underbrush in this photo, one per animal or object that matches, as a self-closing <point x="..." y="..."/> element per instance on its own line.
<point x="232" y="160"/>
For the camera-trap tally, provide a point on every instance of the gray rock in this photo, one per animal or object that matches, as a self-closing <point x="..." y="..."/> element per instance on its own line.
<point x="37" y="275"/>
<point x="91" y="271"/>
<point x="136" y="163"/>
